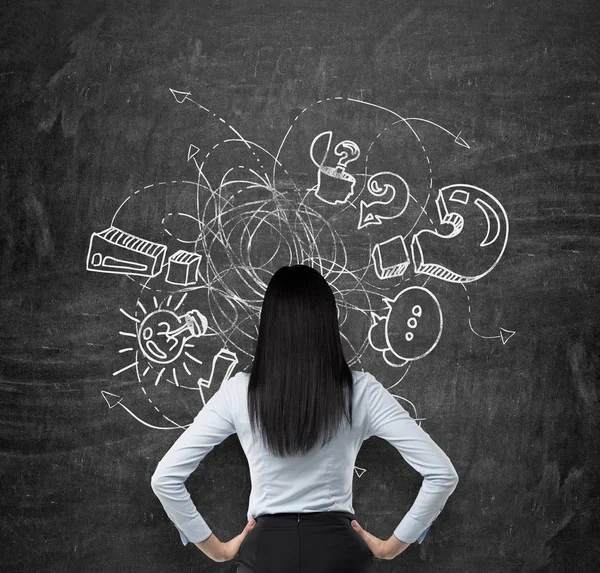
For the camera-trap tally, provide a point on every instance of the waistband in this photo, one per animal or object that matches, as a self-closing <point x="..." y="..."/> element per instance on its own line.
<point x="308" y="518"/>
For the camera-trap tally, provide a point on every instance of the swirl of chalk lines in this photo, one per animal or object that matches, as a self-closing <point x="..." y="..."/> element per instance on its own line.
<point x="223" y="237"/>
<point x="242" y="262"/>
<point x="199" y="221"/>
<point x="229" y="294"/>
<point x="312" y="243"/>
<point x="282" y="215"/>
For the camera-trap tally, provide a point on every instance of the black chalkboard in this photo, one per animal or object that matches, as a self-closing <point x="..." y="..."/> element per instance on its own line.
<point x="438" y="162"/>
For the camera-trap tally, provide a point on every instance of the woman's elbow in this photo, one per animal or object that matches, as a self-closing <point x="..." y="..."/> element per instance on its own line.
<point x="451" y="478"/>
<point x="445" y="478"/>
<point x="157" y="481"/>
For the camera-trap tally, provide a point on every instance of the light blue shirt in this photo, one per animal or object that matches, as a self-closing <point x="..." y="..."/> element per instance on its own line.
<point x="318" y="481"/>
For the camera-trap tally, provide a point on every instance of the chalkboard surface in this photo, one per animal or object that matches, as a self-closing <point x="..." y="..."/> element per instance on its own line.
<point x="438" y="162"/>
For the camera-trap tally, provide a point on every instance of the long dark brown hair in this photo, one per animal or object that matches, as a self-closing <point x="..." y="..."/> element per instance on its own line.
<point x="300" y="386"/>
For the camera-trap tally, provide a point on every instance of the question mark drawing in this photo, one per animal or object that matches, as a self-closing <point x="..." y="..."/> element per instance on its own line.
<point x="334" y="184"/>
<point x="388" y="187"/>
<point x="347" y="151"/>
<point x="476" y="242"/>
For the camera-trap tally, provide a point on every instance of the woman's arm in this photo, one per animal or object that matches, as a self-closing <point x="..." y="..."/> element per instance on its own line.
<point x="210" y="427"/>
<point x="390" y="421"/>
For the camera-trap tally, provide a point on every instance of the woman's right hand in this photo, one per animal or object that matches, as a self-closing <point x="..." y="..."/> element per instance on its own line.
<point x="379" y="548"/>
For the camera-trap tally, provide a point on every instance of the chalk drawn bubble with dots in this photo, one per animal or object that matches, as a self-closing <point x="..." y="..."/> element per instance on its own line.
<point x="412" y="327"/>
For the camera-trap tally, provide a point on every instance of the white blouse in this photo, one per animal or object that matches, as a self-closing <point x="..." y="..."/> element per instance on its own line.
<point x="318" y="481"/>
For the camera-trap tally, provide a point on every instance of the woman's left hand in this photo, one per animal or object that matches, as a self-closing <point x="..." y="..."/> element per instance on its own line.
<point x="381" y="549"/>
<point x="224" y="551"/>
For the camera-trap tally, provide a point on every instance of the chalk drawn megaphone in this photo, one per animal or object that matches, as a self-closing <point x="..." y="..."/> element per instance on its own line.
<point x="474" y="245"/>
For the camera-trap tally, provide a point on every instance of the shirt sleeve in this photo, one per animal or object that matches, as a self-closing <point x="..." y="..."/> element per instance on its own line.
<point x="210" y="427"/>
<point x="390" y="421"/>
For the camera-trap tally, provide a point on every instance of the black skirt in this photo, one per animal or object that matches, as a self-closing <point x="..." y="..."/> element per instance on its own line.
<point x="322" y="542"/>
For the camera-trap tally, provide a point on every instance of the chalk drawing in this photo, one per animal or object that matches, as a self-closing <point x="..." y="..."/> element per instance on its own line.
<point x="117" y="252"/>
<point x="504" y="335"/>
<point x="223" y="365"/>
<point x="411" y="329"/>
<point x="390" y="258"/>
<point x="461" y="206"/>
<point x="183" y="268"/>
<point x="163" y="334"/>
<point x="389" y="186"/>
<point x="353" y="199"/>
<point x="334" y="184"/>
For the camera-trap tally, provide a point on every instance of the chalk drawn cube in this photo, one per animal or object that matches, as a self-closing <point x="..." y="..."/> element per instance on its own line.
<point x="390" y="258"/>
<point x="183" y="268"/>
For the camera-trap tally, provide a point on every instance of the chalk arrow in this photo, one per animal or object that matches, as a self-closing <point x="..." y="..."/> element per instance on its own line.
<point x="458" y="139"/>
<point x="506" y="335"/>
<point x="180" y="97"/>
<point x="192" y="151"/>
<point x="359" y="471"/>
<point x="113" y="400"/>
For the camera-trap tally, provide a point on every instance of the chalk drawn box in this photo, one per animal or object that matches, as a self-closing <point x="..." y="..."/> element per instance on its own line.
<point x="183" y="268"/>
<point x="390" y="258"/>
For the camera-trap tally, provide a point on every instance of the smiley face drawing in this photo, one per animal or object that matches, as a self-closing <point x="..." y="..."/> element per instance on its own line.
<point x="411" y="329"/>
